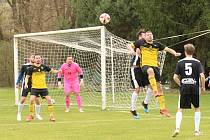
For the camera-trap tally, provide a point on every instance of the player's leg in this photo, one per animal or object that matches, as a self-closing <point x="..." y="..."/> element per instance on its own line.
<point x="161" y="101"/>
<point x="146" y="99"/>
<point x="183" y="103"/>
<point x="160" y="98"/>
<point x="151" y="77"/>
<point x="134" y="98"/>
<point x="20" y="107"/>
<point x="38" y="109"/>
<point x="197" y="115"/>
<point x="24" y="94"/>
<point x="135" y="83"/>
<point x="67" y="91"/>
<point x="178" y="122"/>
<point x="76" y="90"/>
<point x="31" y="106"/>
<point x="45" y="94"/>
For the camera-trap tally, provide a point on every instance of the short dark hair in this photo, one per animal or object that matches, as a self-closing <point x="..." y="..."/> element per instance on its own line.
<point x="142" y="30"/>
<point x="189" y="49"/>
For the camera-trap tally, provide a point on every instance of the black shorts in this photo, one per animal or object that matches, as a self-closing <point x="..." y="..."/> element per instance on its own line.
<point x="185" y="101"/>
<point x="137" y="77"/>
<point x="25" y="91"/>
<point x="39" y="92"/>
<point x="156" y="71"/>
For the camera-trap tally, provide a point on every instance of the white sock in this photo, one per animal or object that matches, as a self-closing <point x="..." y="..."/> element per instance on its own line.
<point x="134" y="100"/>
<point x="38" y="109"/>
<point x="178" y="119"/>
<point x="148" y="95"/>
<point x="20" y="108"/>
<point x="197" y="121"/>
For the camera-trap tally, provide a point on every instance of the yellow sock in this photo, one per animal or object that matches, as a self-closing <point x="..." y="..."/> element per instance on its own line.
<point x="161" y="101"/>
<point x="153" y="83"/>
<point x="31" y="109"/>
<point x="50" y="109"/>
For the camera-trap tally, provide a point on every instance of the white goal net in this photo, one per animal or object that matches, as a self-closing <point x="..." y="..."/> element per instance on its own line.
<point x="103" y="57"/>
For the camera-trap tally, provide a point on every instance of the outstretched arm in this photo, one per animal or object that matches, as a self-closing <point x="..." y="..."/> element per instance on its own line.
<point x="172" y="51"/>
<point x="54" y="71"/>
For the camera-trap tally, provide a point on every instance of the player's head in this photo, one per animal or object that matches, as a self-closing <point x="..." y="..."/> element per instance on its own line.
<point x="189" y="49"/>
<point x="69" y="59"/>
<point x="141" y="34"/>
<point x="37" y="59"/>
<point x="149" y="36"/>
<point x="31" y="58"/>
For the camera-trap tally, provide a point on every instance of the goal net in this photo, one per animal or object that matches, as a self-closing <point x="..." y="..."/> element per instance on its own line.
<point x="103" y="57"/>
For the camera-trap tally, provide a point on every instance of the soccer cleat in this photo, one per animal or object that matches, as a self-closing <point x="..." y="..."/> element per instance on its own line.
<point x="29" y="118"/>
<point x="176" y="132"/>
<point x="18" y="117"/>
<point x="80" y="110"/>
<point x="146" y="110"/>
<point x="135" y="115"/>
<point x="197" y="133"/>
<point x="52" y="117"/>
<point x="165" y="113"/>
<point x="67" y="110"/>
<point x="38" y="117"/>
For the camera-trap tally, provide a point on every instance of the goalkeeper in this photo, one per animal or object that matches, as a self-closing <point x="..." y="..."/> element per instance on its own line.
<point x="149" y="63"/>
<point x="71" y="70"/>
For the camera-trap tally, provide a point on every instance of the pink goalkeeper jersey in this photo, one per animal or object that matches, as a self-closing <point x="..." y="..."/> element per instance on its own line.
<point x="70" y="72"/>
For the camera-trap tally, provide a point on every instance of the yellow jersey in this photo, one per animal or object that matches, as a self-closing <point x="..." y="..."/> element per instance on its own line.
<point x="38" y="76"/>
<point x="149" y="53"/>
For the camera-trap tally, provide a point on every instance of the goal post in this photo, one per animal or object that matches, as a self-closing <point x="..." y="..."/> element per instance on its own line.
<point x="103" y="57"/>
<point x="15" y="48"/>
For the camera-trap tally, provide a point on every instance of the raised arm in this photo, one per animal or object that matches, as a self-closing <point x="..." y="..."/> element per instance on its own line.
<point x="55" y="71"/>
<point x="173" y="52"/>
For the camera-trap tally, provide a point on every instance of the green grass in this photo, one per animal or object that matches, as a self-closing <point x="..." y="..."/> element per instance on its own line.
<point x="95" y="124"/>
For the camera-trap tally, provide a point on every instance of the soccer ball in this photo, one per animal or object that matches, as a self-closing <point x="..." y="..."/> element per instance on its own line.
<point x="104" y="18"/>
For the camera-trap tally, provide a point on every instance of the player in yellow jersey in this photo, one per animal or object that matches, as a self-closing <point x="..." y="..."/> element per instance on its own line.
<point x="149" y="63"/>
<point x="39" y="86"/>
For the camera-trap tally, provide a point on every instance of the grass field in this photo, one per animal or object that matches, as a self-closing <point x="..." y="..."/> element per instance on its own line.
<point x="95" y="124"/>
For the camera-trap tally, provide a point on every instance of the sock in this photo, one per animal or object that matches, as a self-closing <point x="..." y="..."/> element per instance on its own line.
<point x="38" y="109"/>
<point x="67" y="102"/>
<point x="197" y="121"/>
<point x="153" y="83"/>
<point x="50" y="109"/>
<point x="148" y="95"/>
<point x="161" y="101"/>
<point x="178" y="119"/>
<point x="31" y="109"/>
<point x="78" y="101"/>
<point x="20" y="108"/>
<point x="133" y="101"/>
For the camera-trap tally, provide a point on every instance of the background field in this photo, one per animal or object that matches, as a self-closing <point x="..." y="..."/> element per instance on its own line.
<point x="101" y="125"/>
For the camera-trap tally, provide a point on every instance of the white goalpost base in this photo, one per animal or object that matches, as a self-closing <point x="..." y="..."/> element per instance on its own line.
<point x="103" y="56"/>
